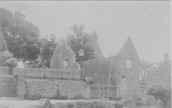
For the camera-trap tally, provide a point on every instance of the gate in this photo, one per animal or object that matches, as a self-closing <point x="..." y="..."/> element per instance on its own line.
<point x="102" y="91"/>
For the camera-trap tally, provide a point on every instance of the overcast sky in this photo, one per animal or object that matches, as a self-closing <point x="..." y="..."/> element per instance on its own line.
<point x="147" y="23"/>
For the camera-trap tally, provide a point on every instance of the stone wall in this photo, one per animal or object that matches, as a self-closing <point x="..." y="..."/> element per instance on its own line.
<point x="7" y="86"/>
<point x="50" y="83"/>
<point x="73" y="74"/>
<point x="4" y="70"/>
<point x="20" y="85"/>
<point x="52" y="88"/>
<point x="58" y="83"/>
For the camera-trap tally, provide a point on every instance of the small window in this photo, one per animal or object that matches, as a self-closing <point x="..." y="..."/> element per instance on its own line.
<point x="128" y="63"/>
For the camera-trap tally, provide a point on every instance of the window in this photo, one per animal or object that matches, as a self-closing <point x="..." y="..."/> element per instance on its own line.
<point x="128" y="64"/>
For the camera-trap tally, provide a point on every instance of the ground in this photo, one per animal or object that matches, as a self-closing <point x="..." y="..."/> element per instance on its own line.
<point x="14" y="102"/>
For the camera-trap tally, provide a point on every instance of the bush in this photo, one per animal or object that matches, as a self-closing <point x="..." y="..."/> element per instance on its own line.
<point x="7" y="59"/>
<point x="160" y="92"/>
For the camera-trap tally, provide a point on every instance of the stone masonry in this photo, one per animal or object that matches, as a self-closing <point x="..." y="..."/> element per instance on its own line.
<point x="7" y="83"/>
<point x="52" y="88"/>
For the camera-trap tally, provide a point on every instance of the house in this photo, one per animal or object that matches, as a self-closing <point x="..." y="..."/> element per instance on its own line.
<point x="159" y="73"/>
<point x="122" y="70"/>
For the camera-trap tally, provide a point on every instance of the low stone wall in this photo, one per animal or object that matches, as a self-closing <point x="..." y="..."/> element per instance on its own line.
<point x="4" y="70"/>
<point x="52" y="88"/>
<point x="7" y="86"/>
<point x="20" y="80"/>
<point x="73" y="74"/>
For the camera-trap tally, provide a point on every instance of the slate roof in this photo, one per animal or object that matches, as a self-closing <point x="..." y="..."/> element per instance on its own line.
<point x="128" y="51"/>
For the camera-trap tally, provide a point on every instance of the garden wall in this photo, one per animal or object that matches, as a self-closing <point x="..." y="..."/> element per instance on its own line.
<point x="7" y="86"/>
<point x="72" y="74"/>
<point x="4" y="70"/>
<point x="52" y="88"/>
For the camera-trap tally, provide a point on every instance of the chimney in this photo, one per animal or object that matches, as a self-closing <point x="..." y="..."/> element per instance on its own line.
<point x="165" y="57"/>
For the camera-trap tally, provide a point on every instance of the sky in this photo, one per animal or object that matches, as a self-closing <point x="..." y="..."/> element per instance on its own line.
<point x="147" y="23"/>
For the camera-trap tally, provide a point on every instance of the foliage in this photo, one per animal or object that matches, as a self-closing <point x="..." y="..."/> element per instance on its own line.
<point x="47" y="49"/>
<point x="8" y="59"/>
<point x="22" y="37"/>
<point x="90" y="80"/>
<point x="160" y="92"/>
<point x="78" y="40"/>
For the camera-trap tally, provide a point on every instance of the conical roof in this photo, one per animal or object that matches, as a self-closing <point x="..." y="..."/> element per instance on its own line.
<point x="56" y="59"/>
<point x="93" y="43"/>
<point x="128" y="51"/>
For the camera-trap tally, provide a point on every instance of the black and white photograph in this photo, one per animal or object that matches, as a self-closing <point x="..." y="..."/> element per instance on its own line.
<point x="85" y="54"/>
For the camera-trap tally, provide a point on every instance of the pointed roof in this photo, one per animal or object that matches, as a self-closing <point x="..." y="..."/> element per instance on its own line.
<point x="101" y="69"/>
<point x="93" y="43"/>
<point x="128" y="51"/>
<point x="94" y="35"/>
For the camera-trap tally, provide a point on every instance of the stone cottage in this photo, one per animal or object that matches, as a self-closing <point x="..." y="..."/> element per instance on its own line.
<point x="121" y="70"/>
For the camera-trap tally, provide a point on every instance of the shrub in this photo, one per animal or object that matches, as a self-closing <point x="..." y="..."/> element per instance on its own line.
<point x="7" y="59"/>
<point x="160" y="92"/>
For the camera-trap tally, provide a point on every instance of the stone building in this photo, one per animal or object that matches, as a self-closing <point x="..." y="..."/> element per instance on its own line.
<point x="159" y="73"/>
<point x="122" y="70"/>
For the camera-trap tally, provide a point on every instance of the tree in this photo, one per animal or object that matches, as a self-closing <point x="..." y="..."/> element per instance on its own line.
<point x="47" y="49"/>
<point x="7" y="59"/>
<point x="22" y="37"/>
<point x="162" y="93"/>
<point x="78" y="40"/>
